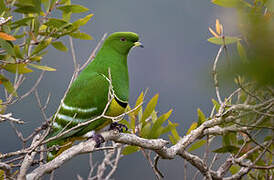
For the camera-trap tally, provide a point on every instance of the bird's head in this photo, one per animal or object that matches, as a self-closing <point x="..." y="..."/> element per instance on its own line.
<point x="122" y="42"/>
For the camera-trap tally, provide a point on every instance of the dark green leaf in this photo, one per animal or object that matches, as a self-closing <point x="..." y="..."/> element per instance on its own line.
<point x="7" y="46"/>
<point x="59" y="45"/>
<point x="21" y="22"/>
<point x="130" y="149"/>
<point x="26" y="9"/>
<point x="73" y="8"/>
<point x="227" y="149"/>
<point x="197" y="145"/>
<point x="2" y="6"/>
<point x="8" y="85"/>
<point x="57" y="23"/>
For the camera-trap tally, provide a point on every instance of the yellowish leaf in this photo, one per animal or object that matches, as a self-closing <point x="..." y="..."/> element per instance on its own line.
<point x="213" y="33"/>
<point x="192" y="127"/>
<point x="218" y="26"/>
<point x="45" y="68"/>
<point x="7" y="37"/>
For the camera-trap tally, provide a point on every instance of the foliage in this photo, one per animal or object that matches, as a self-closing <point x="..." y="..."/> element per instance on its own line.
<point x="255" y="43"/>
<point x="27" y="29"/>
<point x="146" y="123"/>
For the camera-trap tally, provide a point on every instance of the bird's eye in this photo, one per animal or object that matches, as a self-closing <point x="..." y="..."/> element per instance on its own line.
<point x="123" y="39"/>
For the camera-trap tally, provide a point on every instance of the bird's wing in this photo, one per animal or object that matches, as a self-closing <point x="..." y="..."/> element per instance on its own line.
<point x="86" y="99"/>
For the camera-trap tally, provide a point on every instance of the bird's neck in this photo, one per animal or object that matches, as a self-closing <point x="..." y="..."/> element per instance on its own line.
<point x="110" y="61"/>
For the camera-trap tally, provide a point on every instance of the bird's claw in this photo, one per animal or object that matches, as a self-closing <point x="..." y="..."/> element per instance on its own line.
<point x="117" y="126"/>
<point x="99" y="139"/>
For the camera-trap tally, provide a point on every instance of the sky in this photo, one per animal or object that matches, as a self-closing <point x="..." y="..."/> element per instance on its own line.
<point x="175" y="63"/>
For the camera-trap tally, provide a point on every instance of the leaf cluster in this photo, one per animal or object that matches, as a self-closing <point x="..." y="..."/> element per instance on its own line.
<point x="27" y="29"/>
<point x="146" y="123"/>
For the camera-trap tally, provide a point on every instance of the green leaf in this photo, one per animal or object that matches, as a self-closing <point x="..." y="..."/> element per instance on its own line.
<point x="42" y="45"/>
<point x="226" y="149"/>
<point x="7" y="46"/>
<point x="64" y="2"/>
<point x="66" y="16"/>
<point x="45" y="68"/>
<point x="227" y="3"/>
<point x="167" y="128"/>
<point x="226" y="140"/>
<point x="26" y="9"/>
<point x="36" y="58"/>
<point x="57" y="23"/>
<point x="21" y="68"/>
<point x="8" y="85"/>
<point x="220" y="41"/>
<point x="145" y="130"/>
<point x="192" y="127"/>
<point x="241" y="52"/>
<point x="59" y="46"/>
<point x="172" y="139"/>
<point x="174" y="131"/>
<point x="234" y="169"/>
<point x="201" y="117"/>
<point x="2" y="6"/>
<point x="149" y="108"/>
<point x="139" y="101"/>
<point x="197" y="145"/>
<point x="73" y="8"/>
<point x="132" y="119"/>
<point x="82" y="21"/>
<point x="216" y="104"/>
<point x="18" y="53"/>
<point x="81" y="35"/>
<point x="130" y="149"/>
<point x="154" y="133"/>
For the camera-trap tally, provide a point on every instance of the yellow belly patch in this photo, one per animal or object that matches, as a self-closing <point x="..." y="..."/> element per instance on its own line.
<point x="115" y="109"/>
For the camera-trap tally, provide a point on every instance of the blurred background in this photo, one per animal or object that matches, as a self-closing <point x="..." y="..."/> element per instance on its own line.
<point x="176" y="63"/>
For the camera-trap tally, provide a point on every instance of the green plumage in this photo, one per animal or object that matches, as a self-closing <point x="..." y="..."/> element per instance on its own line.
<point x="89" y="93"/>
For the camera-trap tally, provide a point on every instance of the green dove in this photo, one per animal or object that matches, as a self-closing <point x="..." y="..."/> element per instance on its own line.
<point x="89" y="93"/>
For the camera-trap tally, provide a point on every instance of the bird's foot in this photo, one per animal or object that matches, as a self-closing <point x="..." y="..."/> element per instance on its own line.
<point x="117" y="126"/>
<point x="99" y="139"/>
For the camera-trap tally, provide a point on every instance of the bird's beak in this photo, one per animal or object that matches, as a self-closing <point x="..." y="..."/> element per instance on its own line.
<point x="138" y="44"/>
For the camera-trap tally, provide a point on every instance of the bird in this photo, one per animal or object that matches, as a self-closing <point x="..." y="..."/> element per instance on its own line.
<point x="89" y="95"/>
